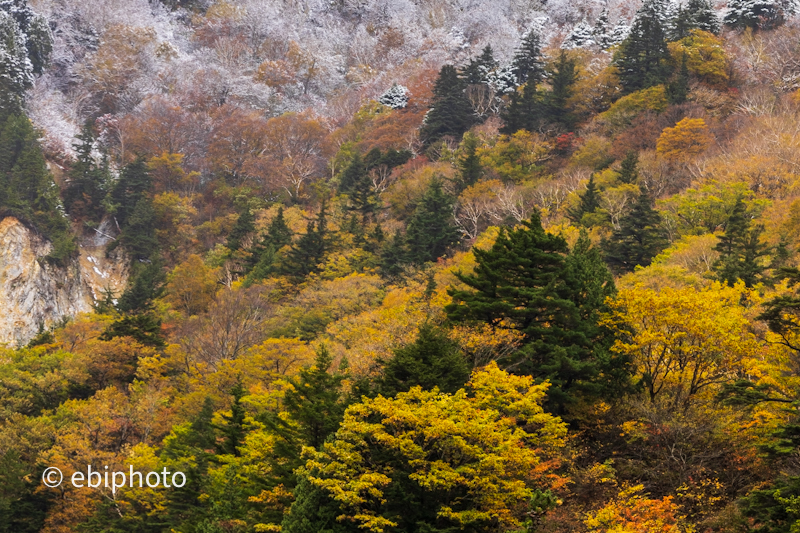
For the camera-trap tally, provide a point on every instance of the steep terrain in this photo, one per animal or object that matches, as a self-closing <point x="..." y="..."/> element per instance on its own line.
<point x="33" y="292"/>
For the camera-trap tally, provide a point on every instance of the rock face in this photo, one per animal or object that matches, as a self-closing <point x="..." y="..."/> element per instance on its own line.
<point x="33" y="292"/>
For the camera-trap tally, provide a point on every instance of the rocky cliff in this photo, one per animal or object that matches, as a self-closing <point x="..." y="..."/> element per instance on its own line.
<point x="33" y="292"/>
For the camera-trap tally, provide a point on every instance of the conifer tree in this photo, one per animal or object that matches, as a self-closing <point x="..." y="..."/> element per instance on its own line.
<point x="315" y="406"/>
<point x="233" y="430"/>
<point x="469" y="164"/>
<point x="394" y="256"/>
<point x="432" y="360"/>
<point x="27" y="190"/>
<point x="590" y="201"/>
<point x="451" y="112"/>
<point x="144" y="287"/>
<point x="528" y="66"/>
<point x="311" y="248"/>
<point x="134" y="182"/>
<point x="678" y="89"/>
<point x="757" y="14"/>
<point x="431" y="230"/>
<point x="703" y="16"/>
<point x="602" y="33"/>
<point x="628" y="171"/>
<point x="138" y="236"/>
<point x="313" y="511"/>
<point x="638" y="239"/>
<point x="525" y="111"/>
<point x="527" y="282"/>
<point x="562" y="80"/>
<point x="263" y="254"/>
<point x="740" y="249"/>
<point x="642" y="58"/>
<point x="87" y="180"/>
<point x="356" y="170"/>
<point x="478" y="68"/>
<point x="244" y="227"/>
<point x="360" y="191"/>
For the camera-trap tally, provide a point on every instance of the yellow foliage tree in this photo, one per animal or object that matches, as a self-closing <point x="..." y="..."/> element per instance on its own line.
<point x="684" y="341"/>
<point x="689" y="138"/>
<point x="705" y="56"/>
<point x="471" y="457"/>
<point x="632" y="512"/>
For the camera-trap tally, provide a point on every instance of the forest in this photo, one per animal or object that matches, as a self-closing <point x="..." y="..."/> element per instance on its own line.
<point x="408" y="267"/>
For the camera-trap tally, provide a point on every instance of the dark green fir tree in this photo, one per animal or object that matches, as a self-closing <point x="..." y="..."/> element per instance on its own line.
<point x="394" y="256"/>
<point x="315" y="406"/>
<point x="469" y="163"/>
<point x="310" y="250"/>
<point x="477" y="69"/>
<point x="529" y="282"/>
<point x="638" y="239"/>
<point x="87" y="180"/>
<point x="629" y="168"/>
<point x="451" y="113"/>
<point x="678" y="89"/>
<point x="642" y="59"/>
<point x="433" y="360"/>
<point x="528" y="66"/>
<point x="431" y="230"/>
<point x="562" y="80"/>
<point x="590" y="202"/>
<point x="740" y="248"/>
<point x="525" y="110"/>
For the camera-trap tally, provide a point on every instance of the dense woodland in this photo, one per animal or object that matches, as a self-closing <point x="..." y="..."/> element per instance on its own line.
<point x="395" y="267"/>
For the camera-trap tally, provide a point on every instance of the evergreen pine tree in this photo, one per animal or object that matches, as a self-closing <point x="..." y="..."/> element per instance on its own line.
<point x="562" y="80"/>
<point x="628" y="171"/>
<point x="138" y="235"/>
<point x="263" y="254"/>
<point x="451" y="112"/>
<point x="311" y="248"/>
<point x="27" y="190"/>
<point x="233" y="430"/>
<point x="757" y="14"/>
<point x="84" y="195"/>
<point x="144" y="328"/>
<point x="433" y="360"/>
<point x="315" y="406"/>
<point x="638" y="239"/>
<point x="602" y="33"/>
<point x="469" y="164"/>
<point x="527" y="282"/>
<point x="581" y="36"/>
<point x="355" y="171"/>
<point x="244" y="227"/>
<point x="394" y="256"/>
<point x="642" y="58"/>
<point x="431" y="230"/>
<point x="525" y="111"/>
<point x="740" y="249"/>
<point x="313" y="511"/>
<point x="703" y="16"/>
<point x="360" y="191"/>
<point x="478" y="68"/>
<point x="678" y="89"/>
<point x="144" y="286"/>
<point x="528" y="66"/>
<point x="134" y="182"/>
<point x="590" y="201"/>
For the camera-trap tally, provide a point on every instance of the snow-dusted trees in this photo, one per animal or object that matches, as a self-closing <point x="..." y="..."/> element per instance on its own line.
<point x="395" y="97"/>
<point x="761" y="14"/>
<point x="25" y="46"/>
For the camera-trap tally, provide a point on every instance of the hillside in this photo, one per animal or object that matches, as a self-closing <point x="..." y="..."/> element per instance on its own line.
<point x="399" y="267"/>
